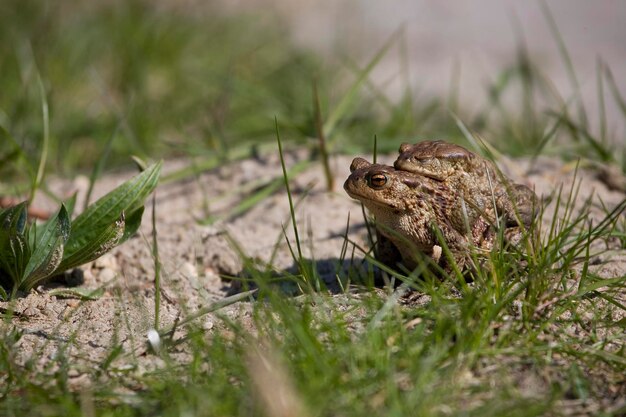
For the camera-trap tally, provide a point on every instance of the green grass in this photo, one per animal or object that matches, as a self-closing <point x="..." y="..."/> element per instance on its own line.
<point x="163" y="83"/>
<point x="469" y="350"/>
<point x="122" y="77"/>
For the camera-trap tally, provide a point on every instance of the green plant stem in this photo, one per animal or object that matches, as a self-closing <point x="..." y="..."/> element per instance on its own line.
<point x="291" y="206"/>
<point x="203" y="311"/>
<point x="157" y="266"/>
<point x="319" y="126"/>
<point x="45" y="140"/>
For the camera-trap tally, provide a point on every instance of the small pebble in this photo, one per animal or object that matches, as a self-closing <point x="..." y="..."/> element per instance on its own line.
<point x="188" y="270"/>
<point x="106" y="261"/>
<point x="71" y="302"/>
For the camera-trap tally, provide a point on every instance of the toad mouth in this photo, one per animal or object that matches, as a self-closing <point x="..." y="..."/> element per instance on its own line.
<point x="363" y="199"/>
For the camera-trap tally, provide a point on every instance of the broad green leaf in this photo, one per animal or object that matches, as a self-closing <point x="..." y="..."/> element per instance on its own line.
<point x="29" y="254"/>
<point x="100" y="241"/>
<point x="133" y="221"/>
<point x="96" y="221"/>
<point x="14" y="249"/>
<point x="47" y="249"/>
<point x="14" y="217"/>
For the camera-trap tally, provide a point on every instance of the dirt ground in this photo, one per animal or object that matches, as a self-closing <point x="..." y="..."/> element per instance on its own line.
<point x="194" y="255"/>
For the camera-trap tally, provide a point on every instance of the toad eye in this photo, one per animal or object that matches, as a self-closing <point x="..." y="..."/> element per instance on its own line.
<point x="378" y="180"/>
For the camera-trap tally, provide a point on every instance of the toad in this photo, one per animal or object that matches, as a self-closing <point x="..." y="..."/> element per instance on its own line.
<point x="439" y="191"/>
<point x="477" y="181"/>
<point x="412" y="213"/>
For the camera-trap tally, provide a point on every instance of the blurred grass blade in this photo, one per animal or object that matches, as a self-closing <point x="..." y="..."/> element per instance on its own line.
<point x="264" y="190"/>
<point x="79" y="292"/>
<point x="601" y="101"/>
<point x="45" y="140"/>
<point x="16" y="153"/>
<point x="615" y="90"/>
<point x="217" y="305"/>
<point x="601" y="150"/>
<point x="330" y="180"/>
<point x="70" y="204"/>
<point x="97" y="169"/>
<point x="569" y="66"/>
<point x="48" y="246"/>
<point x="349" y="98"/>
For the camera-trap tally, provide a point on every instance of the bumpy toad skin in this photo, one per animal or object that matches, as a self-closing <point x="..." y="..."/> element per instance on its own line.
<point x="481" y="187"/>
<point x="408" y="209"/>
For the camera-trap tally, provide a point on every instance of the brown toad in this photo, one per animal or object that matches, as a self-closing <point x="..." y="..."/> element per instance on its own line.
<point x="480" y="185"/>
<point x="438" y="185"/>
<point x="409" y="210"/>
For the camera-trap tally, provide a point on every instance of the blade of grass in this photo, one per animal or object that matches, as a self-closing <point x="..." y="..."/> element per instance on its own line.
<point x="157" y="266"/>
<point x="18" y="151"/>
<point x="45" y="139"/>
<point x="601" y="102"/>
<point x="330" y="179"/>
<point x="97" y="169"/>
<point x="286" y="179"/>
<point x="280" y="236"/>
<point x="348" y="99"/>
<point x="224" y="302"/>
<point x="569" y="66"/>
<point x="621" y="103"/>
<point x="267" y="189"/>
<point x="601" y="150"/>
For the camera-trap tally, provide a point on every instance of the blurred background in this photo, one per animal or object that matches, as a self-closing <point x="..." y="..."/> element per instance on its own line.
<point x="98" y="81"/>
<point x="476" y="38"/>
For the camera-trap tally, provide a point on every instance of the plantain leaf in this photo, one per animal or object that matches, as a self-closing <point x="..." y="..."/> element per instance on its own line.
<point x="14" y="249"/>
<point x="102" y="218"/>
<point x="29" y="254"/>
<point x="101" y="241"/>
<point x="133" y="221"/>
<point x="47" y="248"/>
<point x="14" y="217"/>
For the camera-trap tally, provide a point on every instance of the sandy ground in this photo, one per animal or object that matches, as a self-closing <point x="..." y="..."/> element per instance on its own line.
<point x="193" y="255"/>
